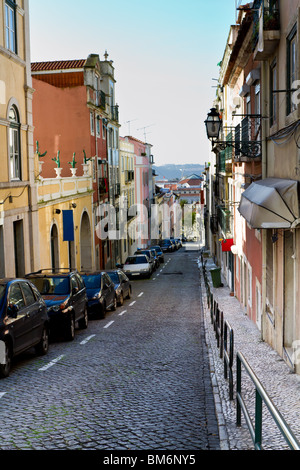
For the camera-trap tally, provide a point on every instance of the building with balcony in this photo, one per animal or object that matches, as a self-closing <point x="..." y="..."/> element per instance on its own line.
<point x="76" y="123"/>
<point x="258" y="84"/>
<point x="19" y="236"/>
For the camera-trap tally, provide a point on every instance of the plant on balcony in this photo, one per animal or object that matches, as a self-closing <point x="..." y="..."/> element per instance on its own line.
<point x="73" y="162"/>
<point x="57" y="159"/>
<point x="85" y="159"/>
<point x="39" y="154"/>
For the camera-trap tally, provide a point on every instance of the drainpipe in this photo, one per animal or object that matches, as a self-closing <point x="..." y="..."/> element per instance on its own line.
<point x="264" y="81"/>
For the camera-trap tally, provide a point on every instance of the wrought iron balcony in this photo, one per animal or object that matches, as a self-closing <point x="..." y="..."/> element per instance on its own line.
<point x="248" y="138"/>
<point x="115" y="113"/>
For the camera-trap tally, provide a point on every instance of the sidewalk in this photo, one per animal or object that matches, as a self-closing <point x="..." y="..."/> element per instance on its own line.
<point x="280" y="383"/>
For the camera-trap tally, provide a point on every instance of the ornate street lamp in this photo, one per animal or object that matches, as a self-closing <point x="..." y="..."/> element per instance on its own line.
<point x="213" y="124"/>
<point x="242" y="142"/>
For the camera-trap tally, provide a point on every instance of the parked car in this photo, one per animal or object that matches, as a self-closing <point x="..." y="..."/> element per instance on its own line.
<point x="122" y="285"/>
<point x="159" y="253"/>
<point x="167" y="245"/>
<point x="65" y="295"/>
<point x="179" y="242"/>
<point x="24" y="321"/>
<point x="138" y="265"/>
<point x="149" y="254"/>
<point x="101" y="293"/>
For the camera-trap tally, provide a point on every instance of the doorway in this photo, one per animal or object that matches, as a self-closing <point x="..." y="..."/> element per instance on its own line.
<point x="19" y="248"/>
<point x="85" y="243"/>
<point x="289" y="291"/>
<point x="54" y="248"/>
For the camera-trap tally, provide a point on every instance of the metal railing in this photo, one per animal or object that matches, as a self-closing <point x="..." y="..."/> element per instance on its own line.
<point x="260" y="397"/>
<point x="225" y="341"/>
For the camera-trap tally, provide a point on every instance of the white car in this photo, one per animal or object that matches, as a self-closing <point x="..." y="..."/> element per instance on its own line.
<point x="137" y="265"/>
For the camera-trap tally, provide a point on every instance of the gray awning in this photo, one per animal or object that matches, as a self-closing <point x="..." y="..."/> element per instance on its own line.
<point x="271" y="203"/>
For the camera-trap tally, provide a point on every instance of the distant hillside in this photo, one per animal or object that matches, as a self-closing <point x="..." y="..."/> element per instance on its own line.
<point x="172" y="171"/>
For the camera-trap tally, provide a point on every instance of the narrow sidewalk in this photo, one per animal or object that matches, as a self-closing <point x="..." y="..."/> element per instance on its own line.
<point x="279" y="382"/>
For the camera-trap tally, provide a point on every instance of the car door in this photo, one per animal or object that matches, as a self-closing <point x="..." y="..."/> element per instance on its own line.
<point x="110" y="290"/>
<point x="75" y="297"/>
<point x="82" y="298"/>
<point x="35" y="308"/>
<point x="18" y="318"/>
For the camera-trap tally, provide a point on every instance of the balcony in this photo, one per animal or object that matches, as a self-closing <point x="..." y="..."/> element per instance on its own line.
<point x="225" y="220"/>
<point x="266" y="28"/>
<point x="248" y="139"/>
<point x="114" y="113"/>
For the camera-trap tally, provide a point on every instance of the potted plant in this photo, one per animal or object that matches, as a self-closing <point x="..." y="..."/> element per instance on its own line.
<point x="73" y="165"/>
<point x="58" y="169"/>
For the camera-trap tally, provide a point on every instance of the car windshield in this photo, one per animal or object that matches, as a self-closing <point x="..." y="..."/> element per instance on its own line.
<point x="92" y="281"/>
<point x="114" y="277"/>
<point x="136" y="260"/>
<point x="2" y="293"/>
<point x="52" y="285"/>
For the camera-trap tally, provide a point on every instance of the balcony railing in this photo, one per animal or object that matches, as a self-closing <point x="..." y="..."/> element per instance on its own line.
<point x="101" y="99"/>
<point x="114" y="113"/>
<point x="248" y="137"/>
<point x="225" y="220"/>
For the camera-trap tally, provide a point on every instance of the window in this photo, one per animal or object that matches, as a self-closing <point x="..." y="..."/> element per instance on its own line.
<point x="98" y="126"/>
<point x="29" y="296"/>
<point x="10" y="26"/>
<point x="14" y="144"/>
<point x="92" y="123"/>
<point x="273" y="97"/>
<point x="291" y="67"/>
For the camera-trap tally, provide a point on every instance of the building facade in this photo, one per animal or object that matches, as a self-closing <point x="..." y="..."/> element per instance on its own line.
<point x="19" y="235"/>
<point x="259" y="179"/>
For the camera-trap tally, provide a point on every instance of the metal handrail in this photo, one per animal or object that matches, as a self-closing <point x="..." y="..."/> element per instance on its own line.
<point x="228" y="347"/>
<point x="260" y="397"/>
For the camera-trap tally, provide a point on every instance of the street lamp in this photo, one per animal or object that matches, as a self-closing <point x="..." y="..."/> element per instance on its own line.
<point x="213" y="124"/>
<point x="242" y="142"/>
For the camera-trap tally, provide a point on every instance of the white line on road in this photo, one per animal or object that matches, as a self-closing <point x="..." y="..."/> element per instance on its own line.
<point x="140" y="295"/>
<point x="87" y="339"/>
<point x="132" y="303"/>
<point x="2" y="394"/>
<point x="122" y="313"/>
<point x="50" y="364"/>
<point x="108" y="324"/>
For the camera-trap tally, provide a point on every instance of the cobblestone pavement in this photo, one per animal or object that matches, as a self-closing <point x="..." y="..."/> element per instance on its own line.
<point x="137" y="380"/>
<point x="280" y="383"/>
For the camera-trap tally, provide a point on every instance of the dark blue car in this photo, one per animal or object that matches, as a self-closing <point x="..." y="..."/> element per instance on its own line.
<point x="100" y="292"/>
<point x="24" y="321"/>
<point x="65" y="295"/>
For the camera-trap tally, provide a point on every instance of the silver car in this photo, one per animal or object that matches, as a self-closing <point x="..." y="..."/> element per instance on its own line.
<point x="137" y="266"/>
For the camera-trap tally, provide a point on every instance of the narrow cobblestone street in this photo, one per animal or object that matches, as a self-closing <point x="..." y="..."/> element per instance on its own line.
<point x="137" y="380"/>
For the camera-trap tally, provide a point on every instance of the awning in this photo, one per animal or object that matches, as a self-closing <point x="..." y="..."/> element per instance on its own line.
<point x="271" y="203"/>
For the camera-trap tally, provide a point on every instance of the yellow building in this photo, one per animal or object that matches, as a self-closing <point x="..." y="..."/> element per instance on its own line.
<point x="19" y="237"/>
<point x="66" y="223"/>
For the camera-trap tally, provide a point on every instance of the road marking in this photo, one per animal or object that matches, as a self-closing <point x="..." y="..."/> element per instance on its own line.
<point x="160" y="271"/>
<point x="2" y="394"/>
<point x="122" y="313"/>
<point x="140" y="295"/>
<point x="87" y="339"/>
<point x="154" y="279"/>
<point x="157" y="274"/>
<point x="132" y="303"/>
<point x="50" y="364"/>
<point x="108" y="324"/>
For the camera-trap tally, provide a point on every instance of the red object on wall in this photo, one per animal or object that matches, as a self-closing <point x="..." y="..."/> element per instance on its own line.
<point x="227" y="244"/>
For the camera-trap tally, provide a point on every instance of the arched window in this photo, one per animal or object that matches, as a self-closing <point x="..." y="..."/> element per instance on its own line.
<point x="14" y="144"/>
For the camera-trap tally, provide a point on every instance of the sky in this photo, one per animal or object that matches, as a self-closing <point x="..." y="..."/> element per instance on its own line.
<point x="165" y="54"/>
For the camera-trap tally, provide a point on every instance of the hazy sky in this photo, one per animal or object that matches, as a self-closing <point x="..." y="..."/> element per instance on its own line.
<point x="165" y="54"/>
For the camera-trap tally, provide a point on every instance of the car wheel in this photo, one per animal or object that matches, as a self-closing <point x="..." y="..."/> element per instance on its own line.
<point x="5" y="368"/>
<point x="121" y="299"/>
<point x="83" y="323"/>
<point x="43" y="346"/>
<point x="70" y="328"/>
<point x="114" y="305"/>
